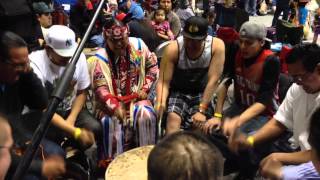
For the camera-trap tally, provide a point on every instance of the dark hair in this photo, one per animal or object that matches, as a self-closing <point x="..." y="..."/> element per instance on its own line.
<point x="185" y="156"/>
<point x="307" y="53"/>
<point x="9" y="40"/>
<point x="158" y="10"/>
<point x="314" y="131"/>
<point x="110" y="21"/>
<point x="209" y="13"/>
<point x="172" y="2"/>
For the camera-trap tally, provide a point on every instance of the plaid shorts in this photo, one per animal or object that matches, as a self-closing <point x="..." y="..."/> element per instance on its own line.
<point x="186" y="105"/>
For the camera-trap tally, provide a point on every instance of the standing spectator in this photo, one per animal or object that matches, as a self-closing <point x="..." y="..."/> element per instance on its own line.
<point x="80" y="17"/>
<point x="43" y="13"/>
<point x="211" y="16"/>
<point x="171" y="16"/>
<point x="131" y="7"/>
<point x="66" y="5"/>
<point x="161" y="25"/>
<point x="17" y="16"/>
<point x="144" y="30"/>
<point x="250" y="6"/>
<point x="184" y="11"/>
<point x="281" y="6"/>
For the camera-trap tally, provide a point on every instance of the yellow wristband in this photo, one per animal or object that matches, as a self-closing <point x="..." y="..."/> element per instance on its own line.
<point x="250" y="140"/>
<point x="217" y="115"/>
<point x="77" y="133"/>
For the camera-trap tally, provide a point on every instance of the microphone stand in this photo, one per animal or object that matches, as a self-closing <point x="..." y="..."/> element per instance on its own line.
<point x="56" y="98"/>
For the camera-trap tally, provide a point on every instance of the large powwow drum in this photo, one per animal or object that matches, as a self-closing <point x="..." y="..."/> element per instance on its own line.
<point x="130" y="165"/>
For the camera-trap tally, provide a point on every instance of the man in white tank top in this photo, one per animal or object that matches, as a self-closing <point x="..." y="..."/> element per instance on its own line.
<point x="189" y="72"/>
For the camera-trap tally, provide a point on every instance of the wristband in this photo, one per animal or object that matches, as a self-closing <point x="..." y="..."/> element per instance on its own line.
<point x="157" y="105"/>
<point x="250" y="140"/>
<point x="77" y="133"/>
<point x="217" y="115"/>
<point x="203" y="108"/>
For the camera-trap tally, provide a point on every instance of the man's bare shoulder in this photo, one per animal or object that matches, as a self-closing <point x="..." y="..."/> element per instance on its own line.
<point x="218" y="44"/>
<point x="171" y="52"/>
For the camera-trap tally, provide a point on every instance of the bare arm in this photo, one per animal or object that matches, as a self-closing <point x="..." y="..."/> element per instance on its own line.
<point x="271" y="166"/>
<point x="269" y="131"/>
<point x="251" y="112"/>
<point x="215" y="70"/>
<point x="169" y="59"/>
<point x="221" y="96"/>
<point x="60" y="123"/>
<point x="294" y="158"/>
<point x="163" y="36"/>
<point x="77" y="105"/>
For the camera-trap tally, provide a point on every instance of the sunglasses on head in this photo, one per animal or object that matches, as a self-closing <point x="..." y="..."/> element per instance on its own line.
<point x="117" y="32"/>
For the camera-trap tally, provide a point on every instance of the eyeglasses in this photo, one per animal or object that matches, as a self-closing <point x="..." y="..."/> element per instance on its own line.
<point x="20" y="66"/>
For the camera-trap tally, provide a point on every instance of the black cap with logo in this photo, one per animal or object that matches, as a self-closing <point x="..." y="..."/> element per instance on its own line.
<point x="196" y="27"/>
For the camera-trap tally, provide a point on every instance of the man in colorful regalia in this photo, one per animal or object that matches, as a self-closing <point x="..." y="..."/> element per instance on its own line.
<point x="122" y="74"/>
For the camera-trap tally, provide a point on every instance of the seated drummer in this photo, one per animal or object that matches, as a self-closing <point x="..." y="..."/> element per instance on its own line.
<point x="255" y="72"/>
<point x="189" y="72"/>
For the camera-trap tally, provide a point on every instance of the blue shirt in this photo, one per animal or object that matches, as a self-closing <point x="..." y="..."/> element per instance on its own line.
<point x="302" y="171"/>
<point x="136" y="11"/>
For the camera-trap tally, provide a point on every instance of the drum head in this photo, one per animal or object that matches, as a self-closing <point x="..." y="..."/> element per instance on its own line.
<point x="130" y="165"/>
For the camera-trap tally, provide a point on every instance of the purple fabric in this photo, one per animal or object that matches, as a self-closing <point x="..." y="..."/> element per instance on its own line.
<point x="317" y="24"/>
<point x="162" y="27"/>
<point x="302" y="171"/>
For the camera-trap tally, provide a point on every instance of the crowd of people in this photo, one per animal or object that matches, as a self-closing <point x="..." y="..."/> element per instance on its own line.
<point x="268" y="127"/>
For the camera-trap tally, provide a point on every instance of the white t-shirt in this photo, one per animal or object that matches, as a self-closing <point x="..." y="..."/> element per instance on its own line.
<point x="295" y="112"/>
<point x="50" y="73"/>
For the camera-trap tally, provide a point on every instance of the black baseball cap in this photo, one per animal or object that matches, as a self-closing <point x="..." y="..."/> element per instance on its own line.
<point x="196" y="27"/>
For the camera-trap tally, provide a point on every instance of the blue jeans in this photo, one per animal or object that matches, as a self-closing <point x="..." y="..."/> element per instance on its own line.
<point x="250" y="6"/>
<point x="303" y="13"/>
<point x="250" y="126"/>
<point x="49" y="147"/>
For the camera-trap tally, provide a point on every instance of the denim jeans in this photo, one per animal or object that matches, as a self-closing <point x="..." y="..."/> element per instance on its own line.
<point x="250" y="126"/>
<point x="250" y="7"/>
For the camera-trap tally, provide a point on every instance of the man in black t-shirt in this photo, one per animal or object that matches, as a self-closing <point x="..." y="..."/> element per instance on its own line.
<point x="20" y="87"/>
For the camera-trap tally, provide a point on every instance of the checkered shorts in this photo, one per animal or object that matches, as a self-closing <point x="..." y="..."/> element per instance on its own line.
<point x="185" y="105"/>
